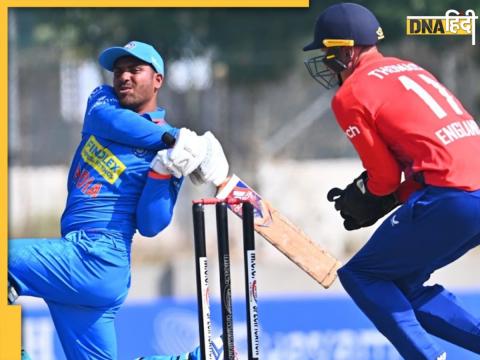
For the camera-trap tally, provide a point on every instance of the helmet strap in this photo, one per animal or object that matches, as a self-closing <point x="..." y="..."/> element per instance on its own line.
<point x="339" y="61"/>
<point x="335" y="61"/>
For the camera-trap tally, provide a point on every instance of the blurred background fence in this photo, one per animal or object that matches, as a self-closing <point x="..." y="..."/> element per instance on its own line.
<point x="236" y="72"/>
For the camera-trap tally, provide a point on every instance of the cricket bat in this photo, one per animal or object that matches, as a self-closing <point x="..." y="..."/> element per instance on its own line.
<point x="282" y="233"/>
<point x="278" y="230"/>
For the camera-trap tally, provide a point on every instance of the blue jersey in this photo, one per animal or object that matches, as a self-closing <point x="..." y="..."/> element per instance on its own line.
<point x="84" y="277"/>
<point x="110" y="185"/>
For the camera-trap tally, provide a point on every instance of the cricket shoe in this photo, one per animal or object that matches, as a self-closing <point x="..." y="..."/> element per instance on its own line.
<point x="185" y="356"/>
<point x="25" y="355"/>
<point x="217" y="351"/>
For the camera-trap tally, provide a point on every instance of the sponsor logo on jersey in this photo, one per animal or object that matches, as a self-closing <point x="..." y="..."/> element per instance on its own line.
<point x="352" y="131"/>
<point x="453" y="23"/>
<point x="85" y="183"/>
<point x="102" y="160"/>
<point x="140" y="152"/>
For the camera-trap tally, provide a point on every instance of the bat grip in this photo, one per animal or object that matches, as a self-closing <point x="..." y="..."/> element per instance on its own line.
<point x="168" y="139"/>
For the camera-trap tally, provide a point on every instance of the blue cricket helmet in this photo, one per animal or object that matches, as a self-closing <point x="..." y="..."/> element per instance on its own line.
<point x="345" y="24"/>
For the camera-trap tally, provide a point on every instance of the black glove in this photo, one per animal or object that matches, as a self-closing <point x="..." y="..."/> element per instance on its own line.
<point x="358" y="207"/>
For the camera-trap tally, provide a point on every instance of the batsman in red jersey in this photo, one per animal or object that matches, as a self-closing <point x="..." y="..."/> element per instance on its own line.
<point x="402" y="121"/>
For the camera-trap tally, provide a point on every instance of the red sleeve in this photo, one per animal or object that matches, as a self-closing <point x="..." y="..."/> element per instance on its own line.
<point x="384" y="173"/>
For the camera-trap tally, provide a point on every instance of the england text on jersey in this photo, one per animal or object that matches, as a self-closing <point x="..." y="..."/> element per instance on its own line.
<point x="457" y="130"/>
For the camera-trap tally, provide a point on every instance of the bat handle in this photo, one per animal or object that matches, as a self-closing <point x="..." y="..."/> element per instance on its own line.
<point x="168" y="139"/>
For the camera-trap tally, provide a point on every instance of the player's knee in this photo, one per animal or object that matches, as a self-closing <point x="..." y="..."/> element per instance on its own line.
<point x="346" y="275"/>
<point x="353" y="277"/>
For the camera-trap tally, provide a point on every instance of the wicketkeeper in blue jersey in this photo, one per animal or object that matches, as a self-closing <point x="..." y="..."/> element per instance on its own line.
<point x="122" y="179"/>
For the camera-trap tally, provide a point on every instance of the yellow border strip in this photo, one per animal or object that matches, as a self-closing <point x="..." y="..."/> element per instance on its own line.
<point x="160" y="3"/>
<point x="10" y="323"/>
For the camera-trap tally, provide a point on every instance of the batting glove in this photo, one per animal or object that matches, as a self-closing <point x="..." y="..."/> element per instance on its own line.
<point x="214" y="167"/>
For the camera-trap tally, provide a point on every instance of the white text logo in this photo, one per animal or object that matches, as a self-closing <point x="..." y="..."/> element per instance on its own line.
<point x="352" y="131"/>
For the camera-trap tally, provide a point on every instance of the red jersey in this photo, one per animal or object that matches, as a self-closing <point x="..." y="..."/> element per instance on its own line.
<point x="401" y="119"/>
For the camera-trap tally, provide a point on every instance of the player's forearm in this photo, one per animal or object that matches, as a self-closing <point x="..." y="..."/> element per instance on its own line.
<point x="126" y="127"/>
<point x="106" y="118"/>
<point x="156" y="205"/>
<point x="384" y="173"/>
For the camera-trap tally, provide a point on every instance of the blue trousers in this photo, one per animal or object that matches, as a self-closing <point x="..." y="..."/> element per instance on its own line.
<point x="83" y="279"/>
<point x="385" y="278"/>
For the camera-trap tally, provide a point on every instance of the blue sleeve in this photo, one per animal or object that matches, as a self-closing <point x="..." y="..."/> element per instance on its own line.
<point x="155" y="208"/>
<point x="106" y="118"/>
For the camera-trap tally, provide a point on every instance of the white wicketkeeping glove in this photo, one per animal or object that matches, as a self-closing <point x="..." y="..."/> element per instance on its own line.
<point x="214" y="167"/>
